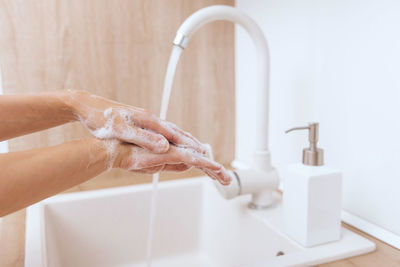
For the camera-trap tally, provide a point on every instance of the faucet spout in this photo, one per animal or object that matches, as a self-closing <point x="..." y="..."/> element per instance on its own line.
<point x="221" y="12"/>
<point x="261" y="179"/>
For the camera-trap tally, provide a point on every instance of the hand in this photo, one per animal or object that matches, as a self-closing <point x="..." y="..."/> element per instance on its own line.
<point x="107" y="119"/>
<point x="137" y="159"/>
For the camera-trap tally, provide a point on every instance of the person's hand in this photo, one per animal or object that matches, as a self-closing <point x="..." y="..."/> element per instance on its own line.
<point x="137" y="159"/>
<point x="107" y="119"/>
<point x="151" y="144"/>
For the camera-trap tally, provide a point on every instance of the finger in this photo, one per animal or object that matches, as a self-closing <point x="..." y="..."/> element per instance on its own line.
<point x="141" y="159"/>
<point x="195" y="159"/>
<point x="176" y="167"/>
<point x="209" y="173"/>
<point x="185" y="139"/>
<point x="222" y="176"/>
<point x="151" y="141"/>
<point x="169" y="167"/>
<point x="150" y="170"/>
<point x="173" y="133"/>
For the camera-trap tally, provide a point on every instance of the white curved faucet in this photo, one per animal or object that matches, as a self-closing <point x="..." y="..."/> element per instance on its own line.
<point x="262" y="178"/>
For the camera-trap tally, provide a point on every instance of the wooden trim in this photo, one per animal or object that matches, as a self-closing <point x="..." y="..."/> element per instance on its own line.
<point x="371" y="229"/>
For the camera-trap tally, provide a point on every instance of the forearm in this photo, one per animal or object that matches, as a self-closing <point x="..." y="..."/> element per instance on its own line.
<point x="27" y="113"/>
<point x="30" y="176"/>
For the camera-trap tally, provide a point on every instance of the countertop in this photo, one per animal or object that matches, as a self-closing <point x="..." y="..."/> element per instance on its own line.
<point x="12" y="235"/>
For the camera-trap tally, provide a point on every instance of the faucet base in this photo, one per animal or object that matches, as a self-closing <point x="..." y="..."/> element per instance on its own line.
<point x="260" y="184"/>
<point x="253" y="206"/>
<point x="262" y="200"/>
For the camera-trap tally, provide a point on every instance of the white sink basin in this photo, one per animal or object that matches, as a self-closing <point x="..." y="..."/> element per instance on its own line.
<point x="194" y="227"/>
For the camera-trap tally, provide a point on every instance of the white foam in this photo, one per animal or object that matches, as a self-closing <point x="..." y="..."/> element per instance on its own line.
<point x="136" y="159"/>
<point x="209" y="152"/>
<point x="111" y="145"/>
<point x="105" y="132"/>
<point x="108" y="112"/>
<point x="126" y="130"/>
<point x="186" y="138"/>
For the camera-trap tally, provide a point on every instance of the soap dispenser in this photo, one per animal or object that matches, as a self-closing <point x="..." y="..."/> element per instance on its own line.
<point x="312" y="196"/>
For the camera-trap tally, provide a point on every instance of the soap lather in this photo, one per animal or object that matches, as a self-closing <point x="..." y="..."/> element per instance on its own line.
<point x="312" y="195"/>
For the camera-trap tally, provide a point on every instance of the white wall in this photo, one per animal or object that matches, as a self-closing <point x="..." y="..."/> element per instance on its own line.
<point x="336" y="62"/>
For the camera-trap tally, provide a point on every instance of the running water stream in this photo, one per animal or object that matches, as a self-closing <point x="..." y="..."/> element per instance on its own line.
<point x="169" y="78"/>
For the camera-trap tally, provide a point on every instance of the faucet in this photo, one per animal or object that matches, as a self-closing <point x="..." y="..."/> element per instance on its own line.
<point x="261" y="178"/>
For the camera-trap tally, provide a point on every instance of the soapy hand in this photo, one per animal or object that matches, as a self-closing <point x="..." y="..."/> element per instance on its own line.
<point x="153" y="144"/>
<point x="107" y="119"/>
<point x="137" y="159"/>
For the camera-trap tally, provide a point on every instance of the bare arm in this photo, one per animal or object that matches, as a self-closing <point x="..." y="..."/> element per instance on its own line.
<point x="24" y="114"/>
<point x="30" y="176"/>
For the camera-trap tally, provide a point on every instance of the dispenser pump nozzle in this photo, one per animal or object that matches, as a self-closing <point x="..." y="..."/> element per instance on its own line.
<point x="312" y="155"/>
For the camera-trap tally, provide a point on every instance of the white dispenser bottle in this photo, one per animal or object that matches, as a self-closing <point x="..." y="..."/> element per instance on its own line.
<point x="312" y="196"/>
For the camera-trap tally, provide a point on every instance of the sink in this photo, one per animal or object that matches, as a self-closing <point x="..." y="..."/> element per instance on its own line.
<point x="194" y="226"/>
